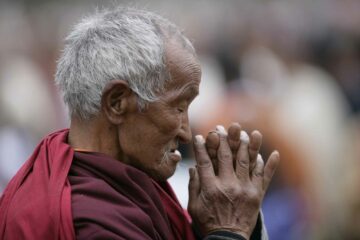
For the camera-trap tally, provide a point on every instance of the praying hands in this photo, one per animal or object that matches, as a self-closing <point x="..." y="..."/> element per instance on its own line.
<point x="228" y="185"/>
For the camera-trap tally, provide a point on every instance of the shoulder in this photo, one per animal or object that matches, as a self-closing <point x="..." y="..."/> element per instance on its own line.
<point x="99" y="211"/>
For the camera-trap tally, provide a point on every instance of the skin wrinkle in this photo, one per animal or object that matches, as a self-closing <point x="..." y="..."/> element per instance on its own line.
<point x="205" y="199"/>
<point x="232" y="199"/>
<point x="167" y="150"/>
<point x="225" y="194"/>
<point x="161" y="125"/>
<point x="229" y="225"/>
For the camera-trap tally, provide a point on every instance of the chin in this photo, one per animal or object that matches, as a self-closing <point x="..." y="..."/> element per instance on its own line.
<point x="160" y="169"/>
<point x="162" y="175"/>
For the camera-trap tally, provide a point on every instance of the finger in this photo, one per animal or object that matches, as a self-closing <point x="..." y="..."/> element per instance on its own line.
<point x="234" y="139"/>
<point x="242" y="157"/>
<point x="254" y="147"/>
<point x="194" y="186"/>
<point x="203" y="162"/>
<point x="258" y="173"/>
<point x="270" y="167"/>
<point x="212" y="145"/>
<point x="224" y="155"/>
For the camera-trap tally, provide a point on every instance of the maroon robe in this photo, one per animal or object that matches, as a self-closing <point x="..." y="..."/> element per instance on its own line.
<point x="110" y="200"/>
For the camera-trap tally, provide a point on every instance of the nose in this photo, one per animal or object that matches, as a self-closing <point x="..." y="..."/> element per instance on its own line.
<point x="185" y="135"/>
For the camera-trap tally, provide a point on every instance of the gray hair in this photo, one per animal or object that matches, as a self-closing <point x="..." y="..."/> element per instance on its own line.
<point x="123" y="43"/>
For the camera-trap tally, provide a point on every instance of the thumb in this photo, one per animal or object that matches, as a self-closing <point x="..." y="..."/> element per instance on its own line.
<point x="194" y="186"/>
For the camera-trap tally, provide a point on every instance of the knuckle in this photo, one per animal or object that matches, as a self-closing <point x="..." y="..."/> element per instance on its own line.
<point x="210" y="190"/>
<point x="259" y="173"/>
<point x="243" y="162"/>
<point x="204" y="163"/>
<point x="230" y="190"/>
<point x="244" y="153"/>
<point x="199" y="149"/>
<point x="211" y="193"/>
<point x="225" y="154"/>
<point x="253" y="196"/>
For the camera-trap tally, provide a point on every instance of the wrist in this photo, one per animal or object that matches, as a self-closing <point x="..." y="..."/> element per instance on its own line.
<point x="243" y="234"/>
<point x="224" y="234"/>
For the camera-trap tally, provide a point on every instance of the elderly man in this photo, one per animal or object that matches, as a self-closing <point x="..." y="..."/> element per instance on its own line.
<point x="128" y="77"/>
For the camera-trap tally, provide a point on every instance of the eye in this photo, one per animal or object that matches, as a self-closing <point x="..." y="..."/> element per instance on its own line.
<point x="182" y="106"/>
<point x="180" y="110"/>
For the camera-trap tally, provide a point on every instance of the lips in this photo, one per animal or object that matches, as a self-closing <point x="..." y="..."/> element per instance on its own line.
<point x="176" y="152"/>
<point x="175" y="155"/>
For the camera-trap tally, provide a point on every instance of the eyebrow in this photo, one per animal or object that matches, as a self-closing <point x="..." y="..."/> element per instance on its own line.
<point x="190" y="92"/>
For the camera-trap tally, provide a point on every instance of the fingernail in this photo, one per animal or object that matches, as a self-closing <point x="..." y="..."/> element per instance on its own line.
<point x="256" y="131"/>
<point x="277" y="153"/>
<point x="221" y="129"/>
<point x="199" y="139"/>
<point x="244" y="137"/>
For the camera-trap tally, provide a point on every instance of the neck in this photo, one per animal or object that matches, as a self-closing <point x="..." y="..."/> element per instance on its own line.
<point x="95" y="135"/>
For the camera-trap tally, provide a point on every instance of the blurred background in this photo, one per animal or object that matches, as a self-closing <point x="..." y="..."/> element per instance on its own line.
<point x="290" y="69"/>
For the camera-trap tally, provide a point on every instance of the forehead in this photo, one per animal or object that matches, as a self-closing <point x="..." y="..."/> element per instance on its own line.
<point x="183" y="65"/>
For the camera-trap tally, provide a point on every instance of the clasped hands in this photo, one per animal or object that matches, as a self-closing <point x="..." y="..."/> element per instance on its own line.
<point x="229" y="182"/>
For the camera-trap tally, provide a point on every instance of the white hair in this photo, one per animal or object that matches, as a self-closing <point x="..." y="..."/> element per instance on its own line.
<point x="123" y="43"/>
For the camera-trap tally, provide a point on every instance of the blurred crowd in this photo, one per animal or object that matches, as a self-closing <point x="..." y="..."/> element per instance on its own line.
<point x="290" y="69"/>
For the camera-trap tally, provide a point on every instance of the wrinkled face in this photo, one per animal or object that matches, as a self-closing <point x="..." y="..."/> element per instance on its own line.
<point x="150" y="138"/>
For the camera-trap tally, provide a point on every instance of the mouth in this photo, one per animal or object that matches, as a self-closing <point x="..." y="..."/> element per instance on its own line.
<point x="175" y="151"/>
<point x="174" y="154"/>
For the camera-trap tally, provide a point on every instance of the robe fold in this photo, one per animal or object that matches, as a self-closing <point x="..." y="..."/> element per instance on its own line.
<point x="36" y="204"/>
<point x="62" y="194"/>
<point x="112" y="200"/>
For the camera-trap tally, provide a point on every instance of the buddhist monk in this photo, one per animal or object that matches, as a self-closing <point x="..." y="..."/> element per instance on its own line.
<point x="128" y="77"/>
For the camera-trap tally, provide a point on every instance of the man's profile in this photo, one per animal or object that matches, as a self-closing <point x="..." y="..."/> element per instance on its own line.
<point x="128" y="77"/>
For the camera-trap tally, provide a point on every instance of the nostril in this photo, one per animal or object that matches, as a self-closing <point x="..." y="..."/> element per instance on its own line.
<point x="185" y="140"/>
<point x="185" y="136"/>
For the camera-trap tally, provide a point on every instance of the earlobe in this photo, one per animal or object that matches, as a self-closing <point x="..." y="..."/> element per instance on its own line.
<point x="115" y="100"/>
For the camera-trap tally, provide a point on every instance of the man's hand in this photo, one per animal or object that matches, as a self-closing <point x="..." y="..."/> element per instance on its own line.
<point x="230" y="180"/>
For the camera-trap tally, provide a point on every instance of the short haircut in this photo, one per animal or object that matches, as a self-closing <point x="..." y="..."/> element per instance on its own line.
<point x="122" y="43"/>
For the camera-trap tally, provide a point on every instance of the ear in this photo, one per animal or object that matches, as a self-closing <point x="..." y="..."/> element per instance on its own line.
<point x="116" y="100"/>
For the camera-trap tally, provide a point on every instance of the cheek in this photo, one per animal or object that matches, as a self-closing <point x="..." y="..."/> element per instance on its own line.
<point x="127" y="140"/>
<point x="165" y="119"/>
<point x="169" y="124"/>
<point x="144" y="138"/>
<point x="149" y="135"/>
<point x="134" y="135"/>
